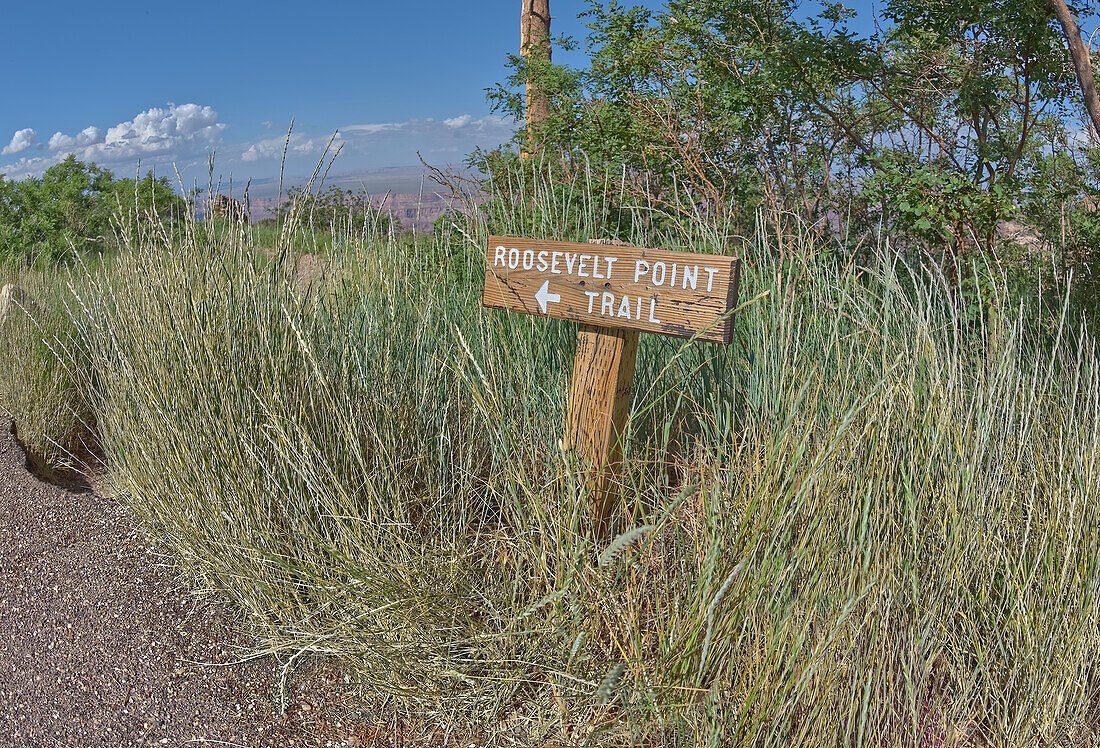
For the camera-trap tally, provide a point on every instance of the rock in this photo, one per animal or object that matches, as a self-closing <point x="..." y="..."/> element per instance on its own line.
<point x="5" y="299"/>
<point x="223" y="206"/>
<point x="11" y="296"/>
<point x="310" y="273"/>
<point x="1021" y="234"/>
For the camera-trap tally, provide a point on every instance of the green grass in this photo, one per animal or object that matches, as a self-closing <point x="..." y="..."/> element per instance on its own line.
<point x="869" y="521"/>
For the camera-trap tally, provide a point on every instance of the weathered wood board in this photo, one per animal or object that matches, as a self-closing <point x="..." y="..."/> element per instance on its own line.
<point x="599" y="405"/>
<point x="682" y="294"/>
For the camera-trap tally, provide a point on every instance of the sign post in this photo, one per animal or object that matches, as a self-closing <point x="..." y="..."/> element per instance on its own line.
<point x="614" y="292"/>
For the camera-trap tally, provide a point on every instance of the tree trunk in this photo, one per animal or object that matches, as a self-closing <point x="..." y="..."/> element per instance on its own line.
<point x="1082" y="63"/>
<point x="534" y="44"/>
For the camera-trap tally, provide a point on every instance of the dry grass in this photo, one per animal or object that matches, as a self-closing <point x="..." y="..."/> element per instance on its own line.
<point x="880" y="528"/>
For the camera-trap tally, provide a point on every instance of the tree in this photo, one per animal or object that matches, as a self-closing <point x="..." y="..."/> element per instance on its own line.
<point x="935" y="129"/>
<point x="334" y="209"/>
<point x="708" y="106"/>
<point x="964" y="98"/>
<point x="535" y="47"/>
<point x="71" y="208"/>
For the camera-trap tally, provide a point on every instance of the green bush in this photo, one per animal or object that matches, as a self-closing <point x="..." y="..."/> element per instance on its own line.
<point x="334" y="209"/>
<point x="71" y="209"/>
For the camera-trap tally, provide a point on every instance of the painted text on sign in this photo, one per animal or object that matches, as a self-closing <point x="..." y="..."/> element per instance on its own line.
<point x="675" y="293"/>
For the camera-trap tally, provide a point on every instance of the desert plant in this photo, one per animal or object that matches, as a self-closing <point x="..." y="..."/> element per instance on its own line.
<point x="867" y="522"/>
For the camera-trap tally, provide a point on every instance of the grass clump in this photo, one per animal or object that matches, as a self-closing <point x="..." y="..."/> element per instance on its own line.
<point x="869" y="521"/>
<point x="37" y="389"/>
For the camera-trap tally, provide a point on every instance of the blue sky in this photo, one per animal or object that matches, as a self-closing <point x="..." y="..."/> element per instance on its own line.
<point x="167" y="83"/>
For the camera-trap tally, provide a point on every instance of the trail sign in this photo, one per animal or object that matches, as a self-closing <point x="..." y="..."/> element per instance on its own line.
<point x="649" y="290"/>
<point x="614" y="292"/>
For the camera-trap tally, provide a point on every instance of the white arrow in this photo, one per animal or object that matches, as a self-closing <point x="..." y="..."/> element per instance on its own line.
<point x="543" y="295"/>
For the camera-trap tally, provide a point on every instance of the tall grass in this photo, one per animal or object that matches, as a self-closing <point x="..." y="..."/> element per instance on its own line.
<point x="869" y="521"/>
<point x="37" y="388"/>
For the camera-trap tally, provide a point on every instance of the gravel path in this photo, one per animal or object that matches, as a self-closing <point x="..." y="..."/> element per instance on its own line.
<point x="100" y="647"/>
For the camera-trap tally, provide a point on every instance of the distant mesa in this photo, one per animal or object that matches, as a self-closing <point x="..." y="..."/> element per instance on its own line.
<point x="412" y="201"/>
<point x="413" y="211"/>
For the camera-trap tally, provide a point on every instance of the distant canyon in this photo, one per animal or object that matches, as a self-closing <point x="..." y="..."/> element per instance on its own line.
<point x="407" y="194"/>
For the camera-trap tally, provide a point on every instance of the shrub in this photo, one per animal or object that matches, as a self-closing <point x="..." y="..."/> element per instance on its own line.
<point x="69" y="211"/>
<point x="334" y="209"/>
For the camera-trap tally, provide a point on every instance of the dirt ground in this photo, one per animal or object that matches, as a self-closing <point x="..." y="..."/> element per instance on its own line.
<point x="100" y="646"/>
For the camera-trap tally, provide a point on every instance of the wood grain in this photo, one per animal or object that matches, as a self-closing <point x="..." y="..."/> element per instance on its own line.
<point x="599" y="405"/>
<point x="682" y="294"/>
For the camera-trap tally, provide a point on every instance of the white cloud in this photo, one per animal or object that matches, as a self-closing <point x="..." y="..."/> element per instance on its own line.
<point x="185" y="134"/>
<point x="27" y="167"/>
<point x="464" y="125"/>
<point x="473" y="125"/>
<point x="21" y="141"/>
<point x="157" y="130"/>
<point x="405" y="141"/>
<point x="375" y="128"/>
<point x="87" y="136"/>
<point x="460" y="121"/>
<point x="298" y="145"/>
<point x="1080" y="136"/>
<point x="160" y="135"/>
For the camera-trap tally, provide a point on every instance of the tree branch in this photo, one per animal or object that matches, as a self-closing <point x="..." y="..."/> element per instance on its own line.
<point x="1082" y="63"/>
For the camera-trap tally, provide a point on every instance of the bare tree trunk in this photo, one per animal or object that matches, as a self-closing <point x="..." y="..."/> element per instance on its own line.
<point x="1082" y="63"/>
<point x="534" y="44"/>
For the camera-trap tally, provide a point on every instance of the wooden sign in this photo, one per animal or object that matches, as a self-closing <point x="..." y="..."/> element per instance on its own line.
<point x="649" y="290"/>
<point x="615" y="292"/>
